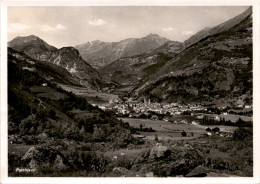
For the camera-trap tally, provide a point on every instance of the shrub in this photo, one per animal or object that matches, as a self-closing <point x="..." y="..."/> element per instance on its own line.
<point x="243" y="133"/>
<point x="216" y="129"/>
<point x="87" y="158"/>
<point x="99" y="163"/>
<point x="122" y="161"/>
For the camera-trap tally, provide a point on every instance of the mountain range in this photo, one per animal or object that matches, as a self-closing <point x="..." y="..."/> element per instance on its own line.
<point x="99" y="54"/>
<point x="214" y="62"/>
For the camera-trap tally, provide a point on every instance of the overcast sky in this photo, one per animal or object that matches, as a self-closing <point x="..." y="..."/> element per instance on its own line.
<point x="70" y="26"/>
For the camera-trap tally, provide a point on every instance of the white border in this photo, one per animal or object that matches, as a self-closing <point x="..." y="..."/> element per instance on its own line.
<point x="65" y="180"/>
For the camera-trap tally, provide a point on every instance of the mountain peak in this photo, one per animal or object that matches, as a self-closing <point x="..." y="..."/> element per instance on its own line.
<point x="33" y="37"/>
<point x="26" y="38"/>
<point x="30" y="44"/>
<point x="96" y="41"/>
<point x="153" y="35"/>
<point x="70" y="50"/>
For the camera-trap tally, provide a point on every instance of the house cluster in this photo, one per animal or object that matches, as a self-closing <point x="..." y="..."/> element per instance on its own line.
<point x="136" y="109"/>
<point x="219" y="133"/>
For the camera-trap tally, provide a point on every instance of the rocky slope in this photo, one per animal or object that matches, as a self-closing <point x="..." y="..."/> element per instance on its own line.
<point x="66" y="57"/>
<point x="216" y="67"/>
<point x="46" y="70"/>
<point x="99" y="54"/>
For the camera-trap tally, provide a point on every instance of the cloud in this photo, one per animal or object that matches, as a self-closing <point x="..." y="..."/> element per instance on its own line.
<point x="168" y="29"/>
<point x="187" y="32"/>
<point x="59" y="26"/>
<point x="17" y="27"/>
<point x="97" y="22"/>
<point x="47" y="28"/>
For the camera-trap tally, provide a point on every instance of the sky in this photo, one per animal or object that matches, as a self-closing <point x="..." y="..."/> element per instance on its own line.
<point x="70" y="26"/>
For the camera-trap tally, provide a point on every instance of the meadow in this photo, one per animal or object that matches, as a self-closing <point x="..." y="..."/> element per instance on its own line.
<point x="166" y="130"/>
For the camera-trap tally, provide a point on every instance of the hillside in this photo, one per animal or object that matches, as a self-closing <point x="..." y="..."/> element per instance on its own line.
<point x="47" y="71"/>
<point x="132" y="70"/>
<point x="99" y="54"/>
<point x="217" y="29"/>
<point x="66" y="57"/>
<point x="43" y="117"/>
<point x="217" y="68"/>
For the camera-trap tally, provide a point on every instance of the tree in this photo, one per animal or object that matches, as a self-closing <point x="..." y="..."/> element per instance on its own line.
<point x="89" y="126"/>
<point x="216" y="129"/>
<point x="243" y="133"/>
<point x="99" y="134"/>
<point x="208" y="129"/>
<point x="52" y="114"/>
<point x="183" y="134"/>
<point x="156" y="138"/>
<point x="141" y="126"/>
<point x="72" y="132"/>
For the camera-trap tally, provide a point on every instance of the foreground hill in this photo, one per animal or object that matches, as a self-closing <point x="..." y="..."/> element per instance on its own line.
<point x="99" y="54"/>
<point x="53" y="122"/>
<point x="218" y="67"/>
<point x="66" y="57"/>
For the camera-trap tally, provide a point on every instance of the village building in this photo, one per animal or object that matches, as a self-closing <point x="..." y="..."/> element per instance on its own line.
<point x="217" y="118"/>
<point x="194" y="123"/>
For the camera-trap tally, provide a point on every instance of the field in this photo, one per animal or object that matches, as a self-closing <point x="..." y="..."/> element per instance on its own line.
<point x="231" y="117"/>
<point x="171" y="131"/>
<point x="166" y="130"/>
<point x="93" y="96"/>
<point x="47" y="92"/>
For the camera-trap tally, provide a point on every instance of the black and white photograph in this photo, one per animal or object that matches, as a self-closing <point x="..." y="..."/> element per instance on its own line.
<point x="106" y="91"/>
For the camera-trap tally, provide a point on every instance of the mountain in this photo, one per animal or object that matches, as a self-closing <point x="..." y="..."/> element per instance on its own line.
<point x="218" y="69"/>
<point x="66" y="57"/>
<point x="135" y="69"/>
<point x="99" y="53"/>
<point x="31" y="45"/>
<point x="48" y="71"/>
<point x="131" y="70"/>
<point x="217" y="29"/>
